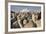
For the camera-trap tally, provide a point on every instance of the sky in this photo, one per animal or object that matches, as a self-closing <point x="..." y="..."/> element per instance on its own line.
<point x="17" y="8"/>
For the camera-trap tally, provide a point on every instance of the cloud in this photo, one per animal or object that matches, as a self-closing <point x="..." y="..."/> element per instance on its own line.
<point x="24" y="10"/>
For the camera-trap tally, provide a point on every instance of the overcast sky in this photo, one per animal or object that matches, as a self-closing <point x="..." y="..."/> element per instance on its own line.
<point x="19" y="8"/>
